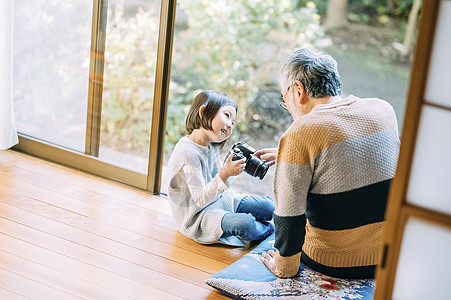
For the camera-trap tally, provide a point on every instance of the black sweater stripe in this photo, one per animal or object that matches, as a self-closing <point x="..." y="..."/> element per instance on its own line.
<point x="363" y="272"/>
<point x="348" y="209"/>
<point x="288" y="230"/>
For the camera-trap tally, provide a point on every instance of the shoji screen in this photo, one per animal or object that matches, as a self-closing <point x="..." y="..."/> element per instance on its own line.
<point x="416" y="259"/>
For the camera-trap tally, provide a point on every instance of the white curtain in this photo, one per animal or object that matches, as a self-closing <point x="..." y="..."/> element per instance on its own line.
<point x="8" y="133"/>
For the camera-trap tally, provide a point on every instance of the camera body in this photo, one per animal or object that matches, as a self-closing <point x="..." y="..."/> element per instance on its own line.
<point x="254" y="165"/>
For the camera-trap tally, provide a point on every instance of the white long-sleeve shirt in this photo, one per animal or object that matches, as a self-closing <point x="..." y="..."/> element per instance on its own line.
<point x="198" y="197"/>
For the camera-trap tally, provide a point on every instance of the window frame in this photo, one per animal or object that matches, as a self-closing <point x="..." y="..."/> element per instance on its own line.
<point x="89" y="161"/>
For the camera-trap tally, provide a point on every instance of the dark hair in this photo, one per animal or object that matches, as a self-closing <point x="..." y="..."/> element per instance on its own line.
<point x="213" y="101"/>
<point x="316" y="70"/>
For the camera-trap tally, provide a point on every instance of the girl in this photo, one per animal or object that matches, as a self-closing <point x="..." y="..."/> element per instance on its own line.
<point x="203" y="206"/>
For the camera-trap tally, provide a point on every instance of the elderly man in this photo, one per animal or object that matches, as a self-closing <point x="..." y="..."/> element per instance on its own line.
<point x="333" y="171"/>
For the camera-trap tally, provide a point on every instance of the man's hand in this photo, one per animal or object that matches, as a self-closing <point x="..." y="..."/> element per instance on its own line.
<point x="268" y="259"/>
<point x="288" y="266"/>
<point x="268" y="155"/>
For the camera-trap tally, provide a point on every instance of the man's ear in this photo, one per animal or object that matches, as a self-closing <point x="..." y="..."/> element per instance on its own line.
<point x="300" y="92"/>
<point x="201" y="111"/>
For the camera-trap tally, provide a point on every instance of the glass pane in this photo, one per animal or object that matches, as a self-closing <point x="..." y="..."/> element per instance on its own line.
<point x="424" y="262"/>
<point x="51" y="69"/>
<point x="237" y="47"/>
<point x="430" y="179"/>
<point x="129" y="78"/>
<point x="441" y="60"/>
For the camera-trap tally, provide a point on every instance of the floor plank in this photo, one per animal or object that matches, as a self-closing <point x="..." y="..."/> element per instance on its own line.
<point x="66" y="234"/>
<point x="29" y="288"/>
<point x="226" y="254"/>
<point x="73" y="210"/>
<point x="81" y="270"/>
<point x="140" y="248"/>
<point x="58" y="280"/>
<point x="5" y="294"/>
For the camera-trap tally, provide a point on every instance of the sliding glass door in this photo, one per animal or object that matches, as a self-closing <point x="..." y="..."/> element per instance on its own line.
<point x="51" y="69"/>
<point x="128" y="83"/>
<point x="86" y="76"/>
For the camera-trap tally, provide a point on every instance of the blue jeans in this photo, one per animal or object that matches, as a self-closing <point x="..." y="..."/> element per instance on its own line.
<point x="251" y="220"/>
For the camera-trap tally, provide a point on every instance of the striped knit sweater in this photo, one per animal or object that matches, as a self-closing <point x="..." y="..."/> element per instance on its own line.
<point x="333" y="172"/>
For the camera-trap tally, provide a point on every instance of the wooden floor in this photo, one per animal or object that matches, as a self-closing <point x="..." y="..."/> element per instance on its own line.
<point x="65" y="234"/>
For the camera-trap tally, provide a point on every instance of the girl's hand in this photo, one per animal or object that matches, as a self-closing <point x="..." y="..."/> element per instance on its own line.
<point x="232" y="168"/>
<point x="268" y="155"/>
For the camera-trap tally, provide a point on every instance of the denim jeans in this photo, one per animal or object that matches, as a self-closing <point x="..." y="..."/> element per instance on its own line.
<point x="251" y="220"/>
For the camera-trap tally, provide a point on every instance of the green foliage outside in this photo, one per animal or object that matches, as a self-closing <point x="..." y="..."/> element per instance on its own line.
<point x="129" y="79"/>
<point x="235" y="47"/>
<point x="231" y="46"/>
<point x="368" y="11"/>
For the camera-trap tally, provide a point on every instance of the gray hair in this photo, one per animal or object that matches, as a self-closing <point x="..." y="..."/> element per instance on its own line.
<point x="316" y="70"/>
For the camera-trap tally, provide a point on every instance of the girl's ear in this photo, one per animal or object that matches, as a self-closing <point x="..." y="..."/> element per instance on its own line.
<point x="201" y="111"/>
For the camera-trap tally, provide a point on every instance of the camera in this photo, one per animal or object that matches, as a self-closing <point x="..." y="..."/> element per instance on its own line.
<point x="254" y="165"/>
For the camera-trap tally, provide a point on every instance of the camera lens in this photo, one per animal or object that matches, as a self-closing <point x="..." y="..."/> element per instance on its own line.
<point x="256" y="167"/>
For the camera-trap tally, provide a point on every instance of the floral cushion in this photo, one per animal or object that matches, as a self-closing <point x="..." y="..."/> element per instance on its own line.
<point x="248" y="278"/>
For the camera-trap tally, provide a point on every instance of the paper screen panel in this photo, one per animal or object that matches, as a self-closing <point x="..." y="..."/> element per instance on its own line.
<point x="438" y="78"/>
<point x="424" y="262"/>
<point x="430" y="179"/>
